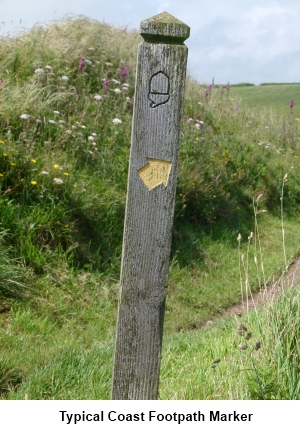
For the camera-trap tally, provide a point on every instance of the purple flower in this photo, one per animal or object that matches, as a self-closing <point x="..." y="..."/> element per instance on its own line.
<point x="81" y="64"/>
<point x="227" y="87"/>
<point x="291" y="106"/>
<point x="209" y="87"/>
<point x="105" y="83"/>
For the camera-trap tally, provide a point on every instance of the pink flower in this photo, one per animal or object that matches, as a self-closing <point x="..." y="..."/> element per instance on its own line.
<point x="105" y="83"/>
<point x="81" y="64"/>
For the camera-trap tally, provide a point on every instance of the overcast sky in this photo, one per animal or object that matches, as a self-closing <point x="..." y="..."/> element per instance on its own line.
<point x="231" y="40"/>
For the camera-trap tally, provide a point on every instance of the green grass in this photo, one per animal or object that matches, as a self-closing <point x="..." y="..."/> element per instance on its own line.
<point x="63" y="179"/>
<point x="276" y="97"/>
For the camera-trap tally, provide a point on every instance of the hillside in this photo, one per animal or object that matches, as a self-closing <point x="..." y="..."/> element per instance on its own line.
<point x="67" y="94"/>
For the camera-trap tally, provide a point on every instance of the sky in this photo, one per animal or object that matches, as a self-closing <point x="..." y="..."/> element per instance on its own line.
<point x="231" y="40"/>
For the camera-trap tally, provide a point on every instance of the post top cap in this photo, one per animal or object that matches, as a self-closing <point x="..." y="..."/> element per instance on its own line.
<point x="164" y="28"/>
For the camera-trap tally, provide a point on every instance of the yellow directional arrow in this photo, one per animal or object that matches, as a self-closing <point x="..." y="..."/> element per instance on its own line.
<point x="156" y="172"/>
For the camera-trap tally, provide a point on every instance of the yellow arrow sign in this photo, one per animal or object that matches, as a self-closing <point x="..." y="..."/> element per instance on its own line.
<point x="156" y="172"/>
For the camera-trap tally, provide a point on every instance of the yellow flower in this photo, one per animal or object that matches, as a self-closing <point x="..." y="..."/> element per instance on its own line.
<point x="33" y="182"/>
<point x="1" y="141"/>
<point x="33" y="160"/>
<point x="13" y="164"/>
<point x="1" y="174"/>
<point x="5" y="155"/>
<point x="66" y="173"/>
<point x="56" y="166"/>
<point x="75" y="185"/>
<point x="66" y="225"/>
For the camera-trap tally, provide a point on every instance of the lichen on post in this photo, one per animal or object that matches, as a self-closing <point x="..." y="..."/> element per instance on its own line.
<point x="152" y="178"/>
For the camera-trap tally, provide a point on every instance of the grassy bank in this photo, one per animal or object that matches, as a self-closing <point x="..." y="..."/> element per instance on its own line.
<point x="67" y="93"/>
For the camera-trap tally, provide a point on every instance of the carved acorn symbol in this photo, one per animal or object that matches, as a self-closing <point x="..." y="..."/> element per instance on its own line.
<point x="159" y="88"/>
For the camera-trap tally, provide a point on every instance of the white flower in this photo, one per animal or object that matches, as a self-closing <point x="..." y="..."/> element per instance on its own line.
<point x="88" y="62"/>
<point x="39" y="71"/>
<point x="51" y="121"/>
<point x="73" y="127"/>
<point x="56" y="111"/>
<point x="83" y="126"/>
<point x="43" y="172"/>
<point x="25" y="116"/>
<point x="198" y="126"/>
<point x="69" y="131"/>
<point x="38" y="120"/>
<point x="58" y="181"/>
<point x="128" y="100"/>
<point x="97" y="97"/>
<point x="117" y="90"/>
<point x="49" y="67"/>
<point x="91" y="138"/>
<point x="125" y="85"/>
<point x="64" y="78"/>
<point x="190" y="120"/>
<point x="117" y="121"/>
<point x="94" y="143"/>
<point x="61" y="121"/>
<point x="94" y="134"/>
<point x="115" y="81"/>
<point x="79" y="134"/>
<point x="200" y="122"/>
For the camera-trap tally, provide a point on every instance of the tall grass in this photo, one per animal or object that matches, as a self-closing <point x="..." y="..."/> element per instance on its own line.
<point x="67" y="92"/>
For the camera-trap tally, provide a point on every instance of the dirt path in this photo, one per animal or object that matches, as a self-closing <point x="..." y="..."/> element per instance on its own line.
<point x="290" y="278"/>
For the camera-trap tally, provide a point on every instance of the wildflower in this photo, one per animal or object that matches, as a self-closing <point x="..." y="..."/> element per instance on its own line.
<point x="239" y="237"/>
<point x="75" y="185"/>
<point x="209" y="87"/>
<point x="98" y="97"/>
<point x="227" y="87"/>
<point x="25" y="116"/>
<point x="66" y="225"/>
<point x="243" y="347"/>
<point x="105" y="83"/>
<point x="43" y="172"/>
<point x="117" y="90"/>
<point x="190" y="120"/>
<point x="94" y="134"/>
<point x="1" y="142"/>
<point x="1" y="175"/>
<point x="66" y="173"/>
<point x="56" y="111"/>
<point x="5" y="155"/>
<point x="123" y="71"/>
<point x="69" y="131"/>
<point x="128" y="100"/>
<point x="91" y="138"/>
<point x="49" y="68"/>
<point x="291" y="106"/>
<point x="198" y="126"/>
<point x="200" y="122"/>
<point x="51" y="121"/>
<point x="257" y="346"/>
<point x="83" y="126"/>
<point x="13" y="164"/>
<point x="33" y="182"/>
<point x="88" y="62"/>
<point x="65" y="78"/>
<point x="81" y="64"/>
<point x="117" y="121"/>
<point x="39" y="71"/>
<point x="58" y="181"/>
<point x="38" y="121"/>
<point x="61" y="121"/>
<point x="56" y="166"/>
<point x="33" y="160"/>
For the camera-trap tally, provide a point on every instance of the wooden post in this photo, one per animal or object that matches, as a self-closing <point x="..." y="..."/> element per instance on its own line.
<point x="158" y="103"/>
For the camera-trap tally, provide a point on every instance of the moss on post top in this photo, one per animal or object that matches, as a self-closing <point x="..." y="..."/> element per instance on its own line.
<point x="164" y="28"/>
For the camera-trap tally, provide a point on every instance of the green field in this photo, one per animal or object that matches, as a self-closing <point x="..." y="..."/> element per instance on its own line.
<point x="276" y="97"/>
<point x="67" y="93"/>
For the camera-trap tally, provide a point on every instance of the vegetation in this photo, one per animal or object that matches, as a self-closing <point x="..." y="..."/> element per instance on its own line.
<point x="66" y="97"/>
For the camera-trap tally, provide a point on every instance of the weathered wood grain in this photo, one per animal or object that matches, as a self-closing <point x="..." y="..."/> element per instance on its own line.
<point x="160" y="81"/>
